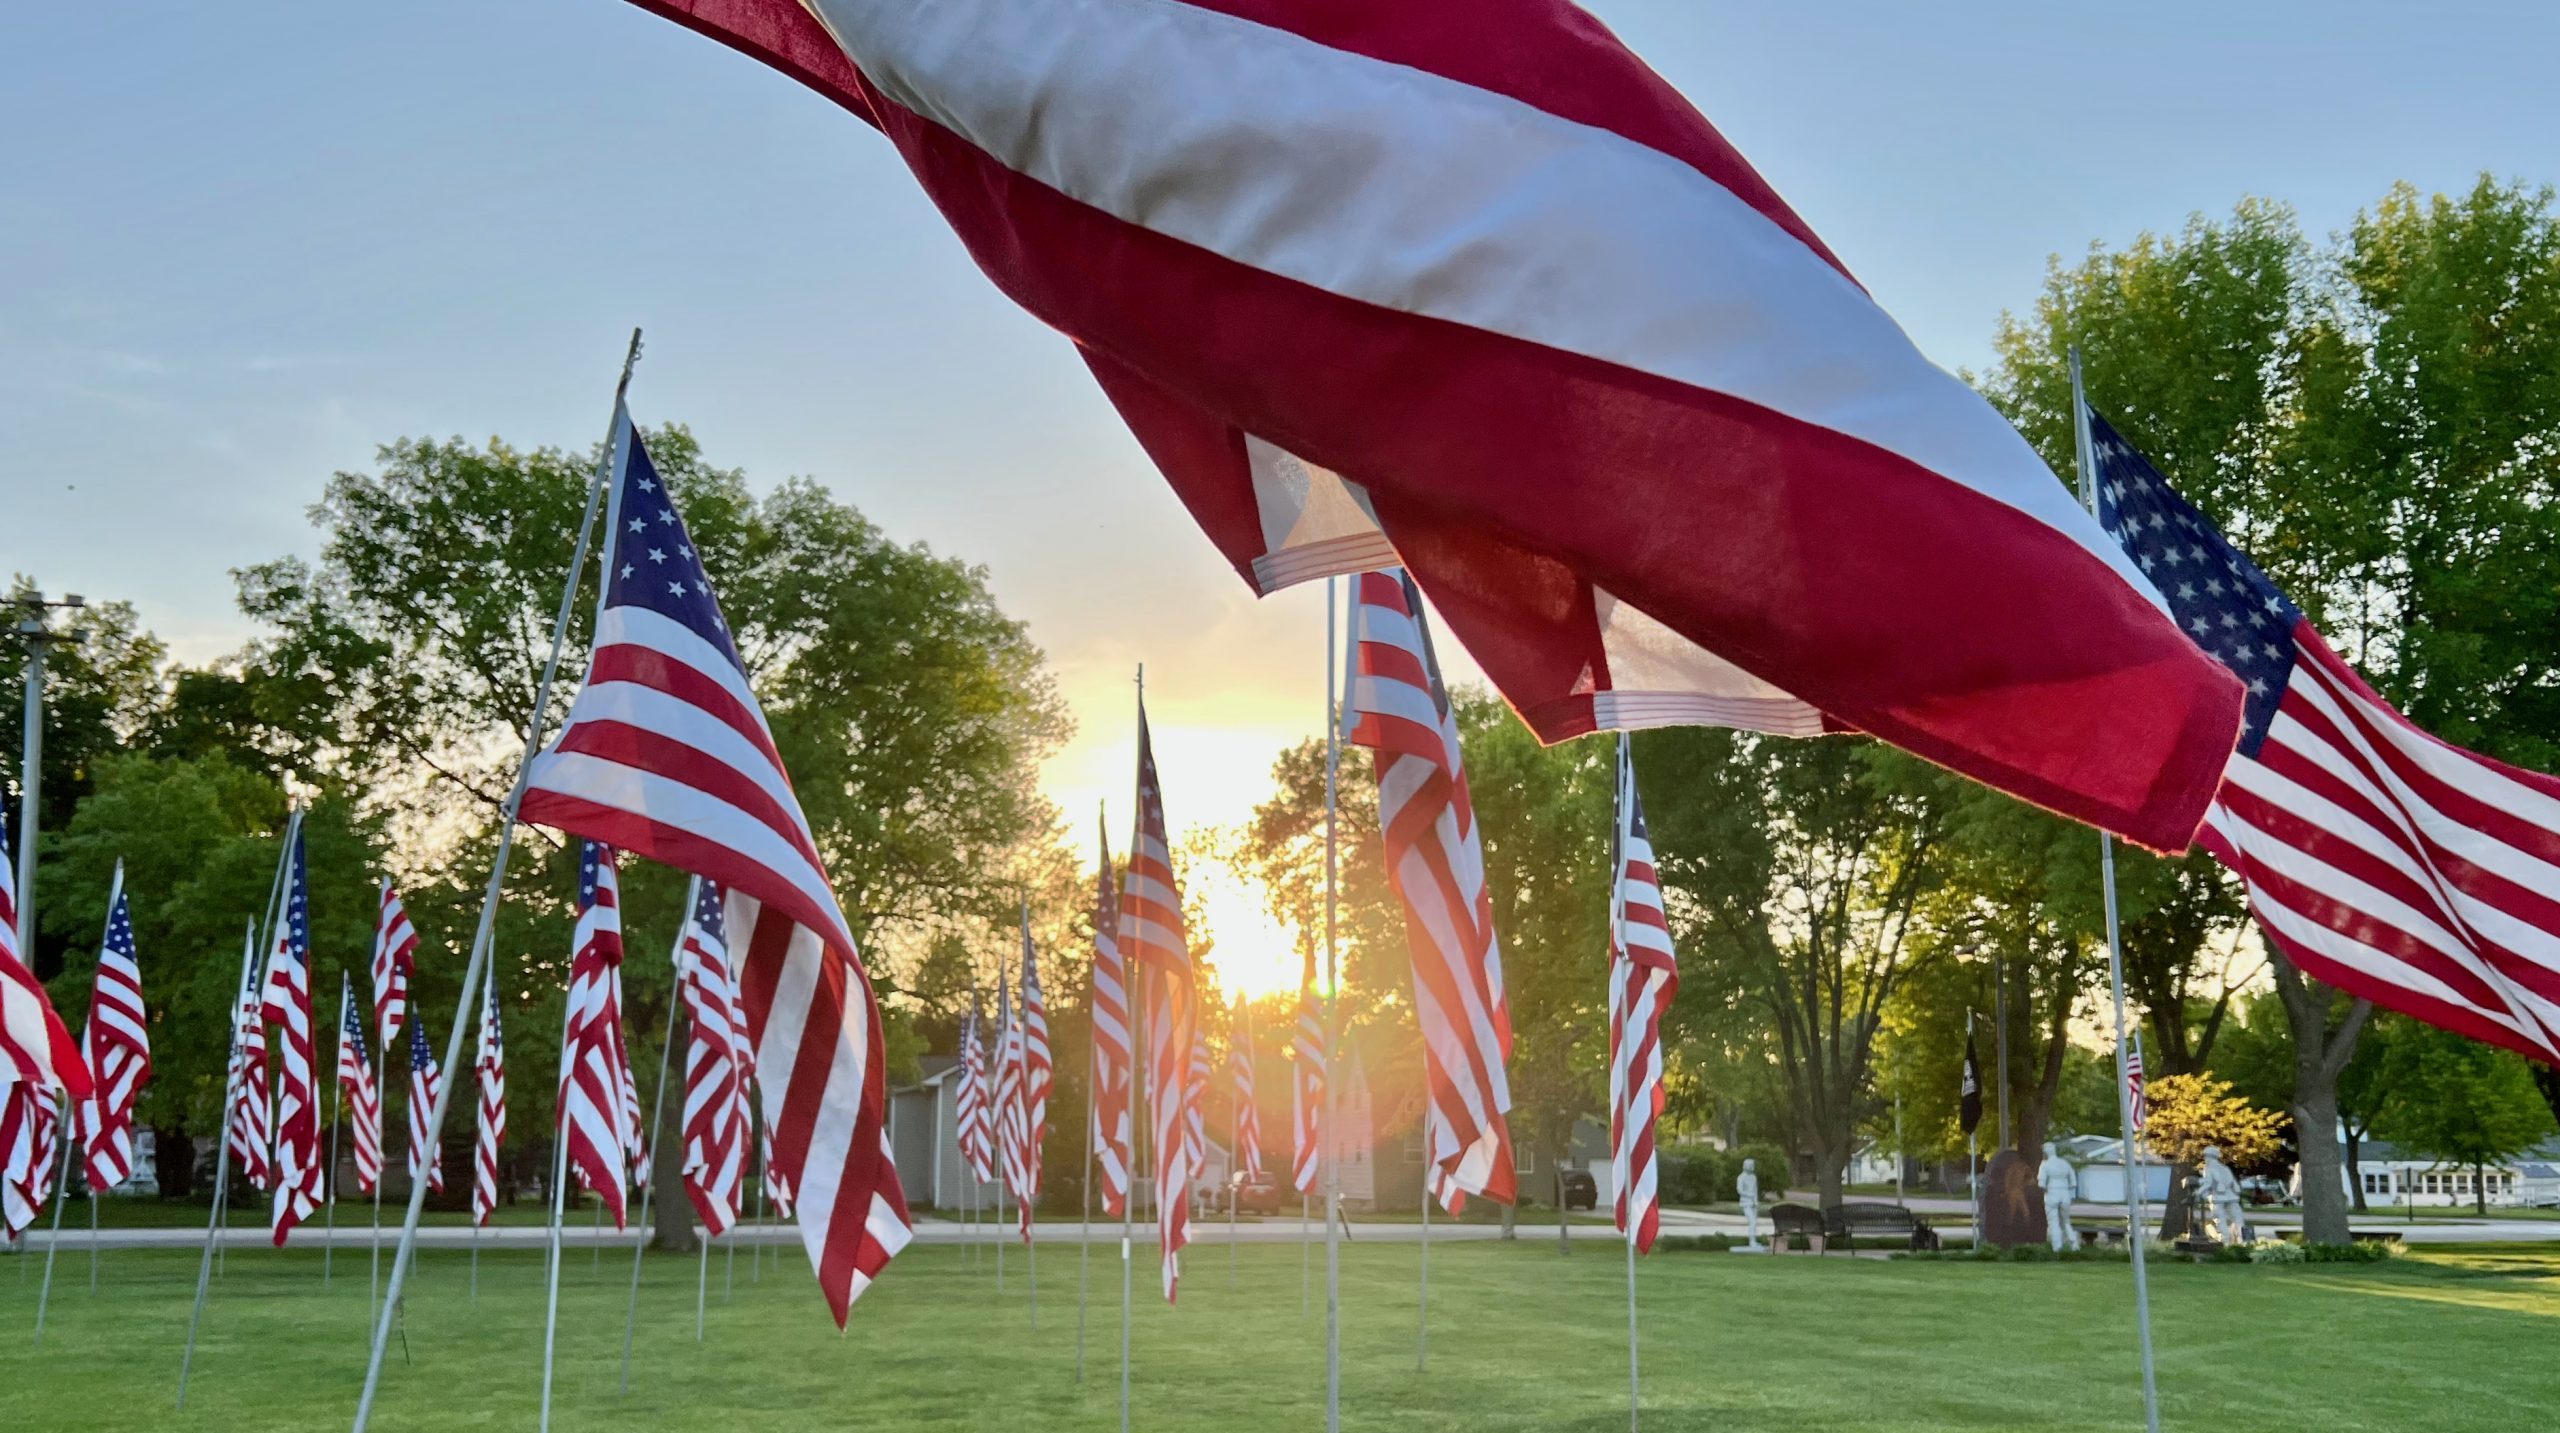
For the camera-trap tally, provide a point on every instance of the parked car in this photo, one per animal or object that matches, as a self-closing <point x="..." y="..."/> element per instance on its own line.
<point x="1256" y="1194"/>
<point x="1581" y="1191"/>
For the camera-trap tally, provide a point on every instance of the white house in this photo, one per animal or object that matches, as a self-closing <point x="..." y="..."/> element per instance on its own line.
<point x="2391" y="1175"/>
<point x="2102" y="1174"/>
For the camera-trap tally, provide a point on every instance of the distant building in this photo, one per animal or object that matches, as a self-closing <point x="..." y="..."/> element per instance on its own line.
<point x="2389" y="1174"/>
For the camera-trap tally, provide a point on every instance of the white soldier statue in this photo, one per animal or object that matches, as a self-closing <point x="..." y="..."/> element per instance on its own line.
<point x="2219" y="1188"/>
<point x="2060" y="1183"/>
<point x="1746" y="1187"/>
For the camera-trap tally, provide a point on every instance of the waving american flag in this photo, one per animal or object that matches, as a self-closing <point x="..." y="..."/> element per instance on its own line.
<point x="1013" y="1110"/>
<point x="426" y="1085"/>
<point x="118" y="1037"/>
<point x="249" y="1126"/>
<point x="288" y="1010"/>
<point x="1643" y="977"/>
<point x="357" y="1087"/>
<point x="490" y="1068"/>
<point x="29" y="1119"/>
<point x="35" y="1049"/>
<point x="1153" y="936"/>
<point x="1248" y="1120"/>
<point x="715" y="1132"/>
<point x="395" y="954"/>
<point x="1113" y="1064"/>
<point x="2389" y="863"/>
<point x="1039" y="1067"/>
<point x="1398" y="707"/>
<point x="595" y="1079"/>
<point x="1306" y="1085"/>
<point x="666" y="753"/>
<point x="974" y="1112"/>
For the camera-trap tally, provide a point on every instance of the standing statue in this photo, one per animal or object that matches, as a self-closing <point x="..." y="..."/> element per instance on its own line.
<point x="2220" y="1191"/>
<point x="1746" y="1186"/>
<point x="2060" y="1183"/>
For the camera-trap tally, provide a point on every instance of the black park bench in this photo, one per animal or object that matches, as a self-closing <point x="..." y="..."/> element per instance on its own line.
<point x="1844" y="1223"/>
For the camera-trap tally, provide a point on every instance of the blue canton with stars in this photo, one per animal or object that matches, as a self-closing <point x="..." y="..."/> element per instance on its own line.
<point x="706" y="914"/>
<point x="120" y="929"/>
<point x="590" y="870"/>
<point x="422" y="1056"/>
<point x="2218" y="595"/>
<point x="297" y="908"/>
<point x="653" y="563"/>
<point x="351" y="1031"/>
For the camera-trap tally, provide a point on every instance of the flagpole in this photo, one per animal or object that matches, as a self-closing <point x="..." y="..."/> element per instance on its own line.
<point x="382" y="1057"/>
<point x="1139" y="1069"/>
<point x="701" y="1283"/>
<point x="482" y="938"/>
<point x="1422" y="1289"/>
<point x="221" y="1166"/>
<point x="2134" y="1232"/>
<point x="1030" y="1136"/>
<point x="1973" y="1142"/>
<point x="649" y="1190"/>
<point x="1235" y="1152"/>
<point x="1327" y="1150"/>
<point x="1618" y="835"/>
<point x="764" y="1176"/>
<point x="337" y="1117"/>
<point x="1092" y="1151"/>
<point x="261" y="946"/>
<point x="66" y="1128"/>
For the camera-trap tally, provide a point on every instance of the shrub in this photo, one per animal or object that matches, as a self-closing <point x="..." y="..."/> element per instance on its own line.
<point x="2275" y="1251"/>
<point x="2372" y="1251"/>
<point x="1694" y="1176"/>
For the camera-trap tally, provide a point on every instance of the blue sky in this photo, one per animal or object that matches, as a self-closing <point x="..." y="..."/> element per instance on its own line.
<point x="245" y="243"/>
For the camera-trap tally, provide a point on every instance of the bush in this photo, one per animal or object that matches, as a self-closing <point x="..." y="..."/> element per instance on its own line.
<point x="2363" y="1251"/>
<point x="2275" y="1251"/>
<point x="1695" y="1176"/>
<point x="1774" y="1169"/>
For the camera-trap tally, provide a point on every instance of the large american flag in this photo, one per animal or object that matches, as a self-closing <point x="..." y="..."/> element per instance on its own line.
<point x="715" y="1132"/>
<point x="1398" y="707"/>
<point x="490" y="1066"/>
<point x="426" y="1084"/>
<point x="1113" y="1065"/>
<point x="363" y="1096"/>
<point x="594" y="1077"/>
<point x="119" y="1049"/>
<point x="974" y="1111"/>
<point x="1153" y="936"/>
<point x="1306" y="1084"/>
<point x="1657" y="453"/>
<point x="395" y="954"/>
<point x="1039" y="1066"/>
<point x="2390" y="864"/>
<point x="35" y="1048"/>
<point x="2135" y="1099"/>
<point x="250" y="1124"/>
<point x="666" y="753"/>
<point x="1643" y="977"/>
<point x="1248" y="1121"/>
<point x="288" y="1011"/>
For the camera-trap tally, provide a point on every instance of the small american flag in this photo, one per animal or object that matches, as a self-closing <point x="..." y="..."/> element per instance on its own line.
<point x="1306" y="1083"/>
<point x="1195" y="1122"/>
<point x="2391" y="864"/>
<point x="977" y="1129"/>
<point x="1398" y="707"/>
<point x="715" y="1139"/>
<point x="666" y="753"/>
<point x="357" y="1087"/>
<point x="119" y="1049"/>
<point x="1013" y="1110"/>
<point x="1248" y="1119"/>
<point x="35" y="1048"/>
<point x="597" y="1111"/>
<point x="2133" y="1096"/>
<point x="426" y="1083"/>
<point x="247" y="1130"/>
<point x="1112" y="1062"/>
<point x="395" y="952"/>
<point x="27" y="1114"/>
<point x="1039" y="1068"/>
<point x="491" y="1068"/>
<point x="1153" y="936"/>
<point x="288" y="1012"/>
<point x="1643" y="977"/>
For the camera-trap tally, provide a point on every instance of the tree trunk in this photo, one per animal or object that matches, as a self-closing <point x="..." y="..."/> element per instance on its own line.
<point x="669" y="1210"/>
<point x="1830" y="1163"/>
<point x="175" y="1155"/>
<point x="2479" y="1188"/>
<point x="2320" y="1052"/>
<point x="2175" y="1213"/>
<point x="2355" y="1175"/>
<point x="1564" y="1236"/>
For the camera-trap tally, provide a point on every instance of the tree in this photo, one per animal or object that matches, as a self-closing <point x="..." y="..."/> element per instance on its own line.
<point x="2257" y="1056"/>
<point x="1793" y="869"/>
<point x="2370" y="422"/>
<point x="2459" y="1102"/>
<point x="2190" y="1113"/>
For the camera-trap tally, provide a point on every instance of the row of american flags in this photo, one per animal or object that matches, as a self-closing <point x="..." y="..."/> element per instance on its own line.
<point x="2375" y="856"/>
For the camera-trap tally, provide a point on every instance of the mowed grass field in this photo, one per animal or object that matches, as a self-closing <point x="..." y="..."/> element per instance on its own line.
<point x="1522" y="1338"/>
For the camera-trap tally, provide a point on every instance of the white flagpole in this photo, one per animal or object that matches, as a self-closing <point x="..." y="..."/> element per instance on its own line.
<point x="1973" y="1140"/>
<point x="701" y="1283"/>
<point x="481" y="939"/>
<point x="1092" y="1158"/>
<point x="648" y="1191"/>
<point x="1328" y="1149"/>
<point x="2134" y="1232"/>
<point x="221" y="1162"/>
<point x="1422" y="1289"/>
<point x="1134" y="986"/>
<point x="66" y="1142"/>
<point x="1235" y="1154"/>
<point x="338" y="1116"/>
<point x="1030" y="1150"/>
<point x="382" y="1071"/>
<point x="1625" y="1166"/>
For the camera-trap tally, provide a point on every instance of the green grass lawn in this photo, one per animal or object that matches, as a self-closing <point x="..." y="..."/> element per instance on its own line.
<point x="1522" y="1338"/>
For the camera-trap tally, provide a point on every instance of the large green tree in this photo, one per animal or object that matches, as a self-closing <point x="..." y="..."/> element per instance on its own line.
<point x="2458" y="1101"/>
<point x="2370" y="420"/>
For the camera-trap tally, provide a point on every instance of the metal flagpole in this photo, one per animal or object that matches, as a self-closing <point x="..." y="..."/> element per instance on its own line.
<point x="373" y="1300"/>
<point x="481" y="938"/>
<point x="1030" y="1147"/>
<point x="764" y="1176"/>
<point x="701" y="1283"/>
<point x="382" y="1060"/>
<point x="648" y="1191"/>
<point x="999" y="1225"/>
<point x="1133" y="987"/>
<point x="2000" y="1037"/>
<point x="559" y="1205"/>
<point x="1092" y="1146"/>
<point x="1973" y="1147"/>
<point x="337" y="1117"/>
<point x="1422" y="1289"/>
<point x="1618" y="832"/>
<point x="221" y="1165"/>
<point x="31" y="760"/>
<point x="475" y="1260"/>
<point x="595" y="1236"/>
<point x="1328" y="1150"/>
<point x="64" y="1144"/>
<point x="2134" y="1233"/>
<point x="1235" y="1152"/>
<point x="1306" y="1250"/>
